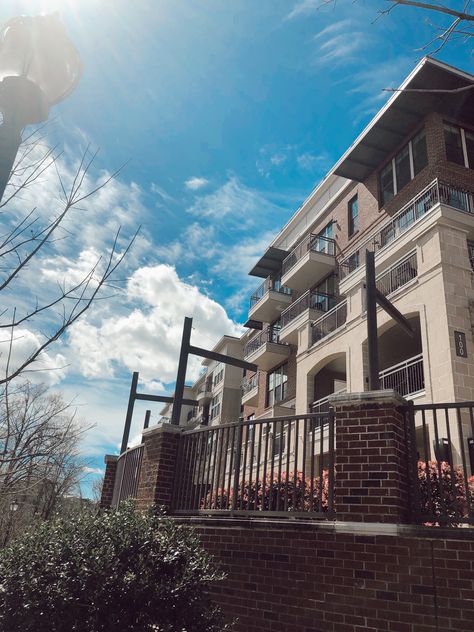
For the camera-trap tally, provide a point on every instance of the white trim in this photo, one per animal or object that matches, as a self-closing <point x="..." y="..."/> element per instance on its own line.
<point x="464" y="147"/>
<point x="412" y="162"/>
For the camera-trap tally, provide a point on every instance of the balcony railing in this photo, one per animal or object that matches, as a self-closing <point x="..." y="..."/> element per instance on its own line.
<point x="313" y="243"/>
<point x="268" y="285"/>
<point x="269" y="334"/>
<point x="407" y="377"/>
<point x="310" y="300"/>
<point x="328" y="323"/>
<point x="398" y="275"/>
<point x="436" y="192"/>
<point x="322" y="405"/>
<point x="249" y="383"/>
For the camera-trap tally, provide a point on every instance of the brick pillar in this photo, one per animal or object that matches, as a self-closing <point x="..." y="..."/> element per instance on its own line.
<point x="157" y="471"/>
<point x="371" y="460"/>
<point x="109" y="480"/>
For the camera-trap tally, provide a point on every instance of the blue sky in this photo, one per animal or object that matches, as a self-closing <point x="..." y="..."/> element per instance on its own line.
<point x="227" y="114"/>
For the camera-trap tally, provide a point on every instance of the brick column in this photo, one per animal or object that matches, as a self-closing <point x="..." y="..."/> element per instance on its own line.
<point x="109" y="480"/>
<point x="371" y="460"/>
<point x="157" y="471"/>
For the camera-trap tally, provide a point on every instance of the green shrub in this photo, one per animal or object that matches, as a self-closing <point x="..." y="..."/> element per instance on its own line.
<point x="120" y="571"/>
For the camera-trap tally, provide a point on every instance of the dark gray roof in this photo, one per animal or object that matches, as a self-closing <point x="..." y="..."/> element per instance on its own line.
<point x="404" y="111"/>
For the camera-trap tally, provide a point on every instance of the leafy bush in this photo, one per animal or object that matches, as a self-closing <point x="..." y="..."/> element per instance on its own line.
<point x="119" y="571"/>
<point x="443" y="492"/>
<point x="279" y="493"/>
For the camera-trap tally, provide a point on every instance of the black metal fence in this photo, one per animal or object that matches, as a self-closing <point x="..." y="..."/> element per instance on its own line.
<point x="127" y="475"/>
<point x="280" y="466"/>
<point x="311" y="243"/>
<point x="442" y="463"/>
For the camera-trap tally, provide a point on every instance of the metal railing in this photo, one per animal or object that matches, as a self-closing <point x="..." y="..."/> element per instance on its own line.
<point x="436" y="192"/>
<point x="313" y="243"/>
<point x="407" y="377"/>
<point x="249" y="383"/>
<point x="398" y="275"/>
<point x="260" y="466"/>
<point x="442" y="463"/>
<point x="127" y="475"/>
<point x="328" y="323"/>
<point x="205" y="388"/>
<point x="268" y="285"/>
<point x="322" y="405"/>
<point x="309" y="300"/>
<point x="269" y="334"/>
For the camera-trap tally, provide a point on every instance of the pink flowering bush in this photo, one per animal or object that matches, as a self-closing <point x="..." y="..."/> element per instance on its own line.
<point x="444" y="494"/>
<point x="274" y="493"/>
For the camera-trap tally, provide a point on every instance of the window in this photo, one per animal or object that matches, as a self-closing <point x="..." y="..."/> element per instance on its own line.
<point x="218" y="373"/>
<point x="215" y="406"/>
<point x="387" y="186"/>
<point x="353" y="215"/>
<point x="353" y="262"/>
<point x="420" y="153"/>
<point x="277" y="385"/>
<point x="453" y="141"/>
<point x="409" y="161"/>
<point x="470" y="148"/>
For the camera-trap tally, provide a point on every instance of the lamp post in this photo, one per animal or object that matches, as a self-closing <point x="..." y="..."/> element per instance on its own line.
<point x="39" y="67"/>
<point x="13" y="509"/>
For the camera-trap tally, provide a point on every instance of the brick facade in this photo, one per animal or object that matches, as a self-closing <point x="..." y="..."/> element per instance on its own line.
<point x="155" y="485"/>
<point x="109" y="480"/>
<point x="371" y="483"/>
<point x="310" y="577"/>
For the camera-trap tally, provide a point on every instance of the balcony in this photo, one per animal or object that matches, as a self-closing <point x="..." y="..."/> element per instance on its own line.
<point x="268" y="301"/>
<point x="205" y="392"/>
<point x="328" y="323"/>
<point x="307" y="307"/>
<point x="407" y="377"/>
<point x="250" y="390"/>
<point x="435" y="193"/>
<point x="265" y="350"/>
<point x="398" y="275"/>
<point x="309" y="262"/>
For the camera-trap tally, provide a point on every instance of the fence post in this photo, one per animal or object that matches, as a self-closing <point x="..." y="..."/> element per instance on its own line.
<point x="238" y="458"/>
<point x="109" y="480"/>
<point x="157" y="472"/>
<point x="372" y="478"/>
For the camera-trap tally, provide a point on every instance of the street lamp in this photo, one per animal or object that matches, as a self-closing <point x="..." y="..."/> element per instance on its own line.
<point x="39" y="67"/>
<point x="13" y="509"/>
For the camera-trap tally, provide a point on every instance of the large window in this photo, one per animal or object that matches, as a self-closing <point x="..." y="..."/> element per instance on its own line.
<point x="459" y="145"/>
<point x="277" y="385"/>
<point x="215" y="406"/>
<point x="409" y="161"/>
<point x="353" y="212"/>
<point x="218" y="373"/>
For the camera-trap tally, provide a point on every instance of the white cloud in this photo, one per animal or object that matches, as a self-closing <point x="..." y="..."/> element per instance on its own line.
<point x="342" y="47"/>
<point x="93" y="470"/>
<point x="305" y="7"/>
<point x="147" y="337"/>
<point x="333" y="28"/>
<point x="196" y="183"/>
<point x="312" y="162"/>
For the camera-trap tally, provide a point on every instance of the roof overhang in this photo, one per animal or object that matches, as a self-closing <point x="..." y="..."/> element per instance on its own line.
<point x="269" y="263"/>
<point x="253" y="324"/>
<point x="404" y="110"/>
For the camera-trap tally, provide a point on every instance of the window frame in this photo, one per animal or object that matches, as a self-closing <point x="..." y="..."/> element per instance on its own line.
<point x="392" y="163"/>
<point x="353" y="220"/>
<point x="281" y="372"/>
<point x="462" y="133"/>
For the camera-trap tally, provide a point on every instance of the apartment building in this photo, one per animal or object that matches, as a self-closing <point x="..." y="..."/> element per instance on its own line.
<point x="217" y="390"/>
<point x="403" y="189"/>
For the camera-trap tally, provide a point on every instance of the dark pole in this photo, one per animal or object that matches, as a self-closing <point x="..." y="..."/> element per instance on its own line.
<point x="181" y="377"/>
<point x="10" y="138"/>
<point x="147" y="419"/>
<point x="128" y="418"/>
<point x="371" y="306"/>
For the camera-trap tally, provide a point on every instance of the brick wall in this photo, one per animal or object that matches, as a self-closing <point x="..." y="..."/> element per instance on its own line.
<point x="310" y="577"/>
<point x="109" y="480"/>
<point x="158" y="467"/>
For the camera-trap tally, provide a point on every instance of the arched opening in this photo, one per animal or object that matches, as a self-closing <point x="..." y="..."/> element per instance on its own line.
<point x="328" y="379"/>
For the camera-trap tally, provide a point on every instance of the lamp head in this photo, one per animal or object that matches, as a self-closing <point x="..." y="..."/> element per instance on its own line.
<point x="39" y="66"/>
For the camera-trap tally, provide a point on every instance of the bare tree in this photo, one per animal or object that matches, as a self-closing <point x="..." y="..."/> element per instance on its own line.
<point x="26" y="236"/>
<point x="460" y="29"/>
<point x="40" y="460"/>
